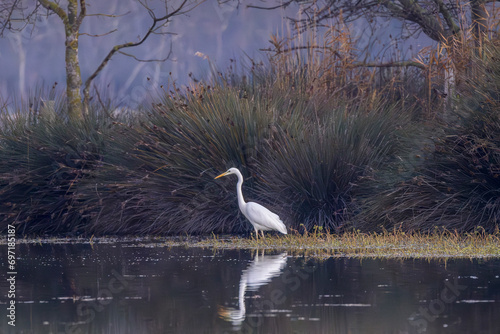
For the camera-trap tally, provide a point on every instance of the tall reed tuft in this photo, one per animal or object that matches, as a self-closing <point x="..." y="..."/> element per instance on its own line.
<point x="164" y="168"/>
<point x="318" y="172"/>
<point x="46" y="158"/>
<point x="458" y="187"/>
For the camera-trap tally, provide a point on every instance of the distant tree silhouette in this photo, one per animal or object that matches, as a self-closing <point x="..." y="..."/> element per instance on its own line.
<point x="438" y="19"/>
<point x="17" y="15"/>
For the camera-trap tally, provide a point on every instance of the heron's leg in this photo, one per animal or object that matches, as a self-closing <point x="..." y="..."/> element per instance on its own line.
<point x="257" y="234"/>
<point x="262" y="232"/>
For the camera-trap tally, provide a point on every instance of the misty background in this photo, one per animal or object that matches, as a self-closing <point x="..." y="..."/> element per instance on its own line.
<point x="222" y="32"/>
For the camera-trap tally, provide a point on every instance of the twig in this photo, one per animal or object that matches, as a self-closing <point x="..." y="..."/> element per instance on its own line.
<point x="99" y="35"/>
<point x="145" y="60"/>
<point x="305" y="47"/>
<point x="391" y="64"/>
<point x="283" y="5"/>
<point x="110" y="15"/>
<point x="152" y="29"/>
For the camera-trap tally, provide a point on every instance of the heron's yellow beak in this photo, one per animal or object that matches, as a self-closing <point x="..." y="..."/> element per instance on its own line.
<point x="223" y="174"/>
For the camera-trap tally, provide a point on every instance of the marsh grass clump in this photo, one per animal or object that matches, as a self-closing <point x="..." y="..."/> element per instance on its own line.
<point x="307" y="136"/>
<point x="329" y="145"/>
<point x="169" y="161"/>
<point x="459" y="185"/>
<point x="308" y="160"/>
<point x="205" y="133"/>
<point x="317" y="172"/>
<point x="46" y="158"/>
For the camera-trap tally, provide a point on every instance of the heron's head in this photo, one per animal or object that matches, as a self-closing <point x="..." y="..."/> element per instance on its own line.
<point x="228" y="172"/>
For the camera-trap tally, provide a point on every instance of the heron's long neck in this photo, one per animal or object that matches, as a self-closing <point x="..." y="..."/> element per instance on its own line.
<point x="241" y="200"/>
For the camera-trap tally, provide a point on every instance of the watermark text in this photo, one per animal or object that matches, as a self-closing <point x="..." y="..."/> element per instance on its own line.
<point x="11" y="275"/>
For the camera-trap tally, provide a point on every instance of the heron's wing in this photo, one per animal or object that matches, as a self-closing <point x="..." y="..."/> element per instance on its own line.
<point x="264" y="218"/>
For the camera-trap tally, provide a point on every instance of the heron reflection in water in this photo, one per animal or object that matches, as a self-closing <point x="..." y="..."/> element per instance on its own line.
<point x="260" y="272"/>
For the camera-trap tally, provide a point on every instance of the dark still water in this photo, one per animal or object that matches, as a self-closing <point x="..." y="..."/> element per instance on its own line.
<point x="132" y="288"/>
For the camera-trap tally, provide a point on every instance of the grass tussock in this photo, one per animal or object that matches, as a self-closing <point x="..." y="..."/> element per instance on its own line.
<point x="182" y="144"/>
<point x="318" y="173"/>
<point x="458" y="186"/>
<point x="321" y="141"/>
<point x="46" y="158"/>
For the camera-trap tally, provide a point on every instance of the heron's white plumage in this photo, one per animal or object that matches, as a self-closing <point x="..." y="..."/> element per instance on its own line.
<point x="260" y="217"/>
<point x="263" y="218"/>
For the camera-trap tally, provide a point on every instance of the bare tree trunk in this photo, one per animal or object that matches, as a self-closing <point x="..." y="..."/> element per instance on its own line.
<point x="73" y="76"/>
<point x="72" y="18"/>
<point x="72" y="21"/>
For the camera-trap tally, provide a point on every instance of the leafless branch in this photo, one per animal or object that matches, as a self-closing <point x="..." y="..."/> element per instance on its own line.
<point x="450" y="22"/>
<point x="103" y="106"/>
<point x="54" y="7"/>
<point x="283" y="5"/>
<point x="157" y="22"/>
<point x="10" y="9"/>
<point x="83" y="13"/>
<point x="109" y="15"/>
<point x="436" y="18"/>
<point x="146" y="60"/>
<point x="390" y="64"/>
<point x="98" y="35"/>
<point x="305" y="47"/>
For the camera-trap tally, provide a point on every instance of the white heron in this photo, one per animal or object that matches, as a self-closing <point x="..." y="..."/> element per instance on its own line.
<point x="260" y="217"/>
